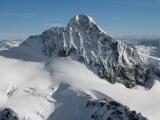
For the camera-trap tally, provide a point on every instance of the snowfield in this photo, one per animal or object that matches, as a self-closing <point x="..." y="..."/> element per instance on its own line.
<point x="35" y="90"/>
<point x="24" y="86"/>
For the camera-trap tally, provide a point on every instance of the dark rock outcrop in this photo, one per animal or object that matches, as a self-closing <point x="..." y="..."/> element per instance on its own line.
<point x="8" y="114"/>
<point x="111" y="110"/>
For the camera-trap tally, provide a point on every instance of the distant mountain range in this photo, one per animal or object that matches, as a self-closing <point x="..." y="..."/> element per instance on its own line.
<point x="7" y="44"/>
<point x="136" y="40"/>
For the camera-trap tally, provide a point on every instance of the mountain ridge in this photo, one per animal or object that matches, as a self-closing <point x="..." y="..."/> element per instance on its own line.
<point x="85" y="41"/>
<point x="8" y="44"/>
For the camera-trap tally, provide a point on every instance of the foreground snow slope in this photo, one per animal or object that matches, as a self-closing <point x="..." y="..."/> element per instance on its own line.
<point x="24" y="87"/>
<point x="41" y="90"/>
<point x="80" y="77"/>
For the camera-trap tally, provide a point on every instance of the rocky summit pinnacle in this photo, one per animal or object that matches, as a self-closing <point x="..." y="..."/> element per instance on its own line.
<point x="85" y="41"/>
<point x="81" y="19"/>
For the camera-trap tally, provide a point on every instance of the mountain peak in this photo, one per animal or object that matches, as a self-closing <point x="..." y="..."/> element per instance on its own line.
<point x="85" y="23"/>
<point x="85" y="41"/>
<point x="84" y="18"/>
<point x="81" y="19"/>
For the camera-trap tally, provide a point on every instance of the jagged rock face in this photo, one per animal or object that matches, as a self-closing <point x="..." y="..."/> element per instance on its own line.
<point x="111" y="110"/>
<point x="52" y="40"/>
<point x="83" y="40"/>
<point x="8" y="114"/>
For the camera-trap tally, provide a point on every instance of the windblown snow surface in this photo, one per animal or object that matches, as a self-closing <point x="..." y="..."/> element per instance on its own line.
<point x="37" y="89"/>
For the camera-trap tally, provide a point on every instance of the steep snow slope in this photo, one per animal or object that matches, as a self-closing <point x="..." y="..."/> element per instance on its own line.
<point x="138" y="98"/>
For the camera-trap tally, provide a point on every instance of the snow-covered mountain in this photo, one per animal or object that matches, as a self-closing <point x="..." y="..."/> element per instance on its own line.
<point x="148" y="47"/>
<point x="63" y="74"/>
<point x="85" y="41"/>
<point x="152" y="46"/>
<point x="7" y="44"/>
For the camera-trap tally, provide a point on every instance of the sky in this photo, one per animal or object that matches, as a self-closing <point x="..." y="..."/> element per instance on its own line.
<point x="21" y="18"/>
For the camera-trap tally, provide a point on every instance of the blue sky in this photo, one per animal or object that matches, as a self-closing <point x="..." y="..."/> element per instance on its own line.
<point x="20" y="18"/>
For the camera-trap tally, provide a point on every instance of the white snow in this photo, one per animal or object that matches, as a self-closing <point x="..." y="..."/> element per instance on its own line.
<point x="144" y="49"/>
<point x="139" y="99"/>
<point x="27" y="87"/>
<point x="7" y="44"/>
<point x="15" y="77"/>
